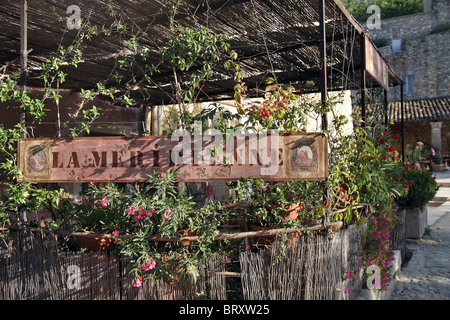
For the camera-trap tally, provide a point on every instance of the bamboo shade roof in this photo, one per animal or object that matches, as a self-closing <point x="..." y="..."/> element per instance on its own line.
<point x="278" y="38"/>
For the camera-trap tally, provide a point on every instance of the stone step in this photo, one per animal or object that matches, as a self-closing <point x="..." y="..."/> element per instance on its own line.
<point x="440" y="199"/>
<point x="435" y="203"/>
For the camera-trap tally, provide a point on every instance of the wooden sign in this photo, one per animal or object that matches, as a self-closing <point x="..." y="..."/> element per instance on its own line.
<point x="197" y="158"/>
<point x="376" y="66"/>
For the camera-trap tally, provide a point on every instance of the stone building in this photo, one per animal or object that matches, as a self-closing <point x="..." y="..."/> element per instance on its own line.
<point x="417" y="48"/>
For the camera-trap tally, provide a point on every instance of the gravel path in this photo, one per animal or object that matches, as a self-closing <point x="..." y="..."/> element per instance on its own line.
<point x="427" y="274"/>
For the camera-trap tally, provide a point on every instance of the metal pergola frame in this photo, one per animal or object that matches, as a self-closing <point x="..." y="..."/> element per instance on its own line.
<point x="321" y="19"/>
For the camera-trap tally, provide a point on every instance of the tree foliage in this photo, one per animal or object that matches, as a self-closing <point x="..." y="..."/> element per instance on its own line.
<point x="389" y="8"/>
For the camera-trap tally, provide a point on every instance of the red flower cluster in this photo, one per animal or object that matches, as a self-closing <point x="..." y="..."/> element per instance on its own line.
<point x="384" y="140"/>
<point x="208" y="192"/>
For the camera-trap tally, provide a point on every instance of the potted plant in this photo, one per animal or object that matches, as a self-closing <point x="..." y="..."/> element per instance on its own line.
<point x="437" y="163"/>
<point x="275" y="205"/>
<point x="422" y="189"/>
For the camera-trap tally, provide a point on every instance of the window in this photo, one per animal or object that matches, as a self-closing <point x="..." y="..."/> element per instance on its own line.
<point x="407" y="87"/>
<point x="397" y="45"/>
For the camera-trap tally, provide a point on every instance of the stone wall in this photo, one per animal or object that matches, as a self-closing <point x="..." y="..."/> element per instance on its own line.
<point x="424" y="54"/>
<point x="427" y="61"/>
<point x="421" y="131"/>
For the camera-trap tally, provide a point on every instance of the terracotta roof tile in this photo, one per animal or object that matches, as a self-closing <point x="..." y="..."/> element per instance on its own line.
<point x="421" y="110"/>
<point x="432" y="109"/>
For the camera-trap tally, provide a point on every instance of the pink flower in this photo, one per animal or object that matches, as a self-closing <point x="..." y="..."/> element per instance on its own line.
<point x="130" y="210"/>
<point x="137" y="283"/>
<point x="247" y="246"/>
<point x="348" y="290"/>
<point x="104" y="201"/>
<point x="433" y="152"/>
<point x="311" y="206"/>
<point x="115" y="233"/>
<point x="148" y="266"/>
<point x="138" y="217"/>
<point x="144" y="266"/>
<point x="166" y="215"/>
<point x="420" y="143"/>
<point x="91" y="184"/>
<point x="418" y="165"/>
<point x="227" y="259"/>
<point x="142" y="214"/>
<point x="150" y="212"/>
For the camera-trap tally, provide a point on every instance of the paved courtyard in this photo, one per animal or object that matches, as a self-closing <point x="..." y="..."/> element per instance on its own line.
<point x="427" y="274"/>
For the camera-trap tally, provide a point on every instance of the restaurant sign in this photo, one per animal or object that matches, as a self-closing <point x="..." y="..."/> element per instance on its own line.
<point x="207" y="157"/>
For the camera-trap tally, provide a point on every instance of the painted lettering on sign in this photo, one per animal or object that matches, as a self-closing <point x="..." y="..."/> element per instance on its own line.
<point x="197" y="158"/>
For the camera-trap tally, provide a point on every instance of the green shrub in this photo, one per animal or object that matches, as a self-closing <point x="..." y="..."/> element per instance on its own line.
<point x="423" y="187"/>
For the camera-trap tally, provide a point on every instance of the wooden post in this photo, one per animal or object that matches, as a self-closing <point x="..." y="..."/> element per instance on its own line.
<point x="323" y="74"/>
<point x="23" y="79"/>
<point x="402" y="122"/>
<point x="386" y="109"/>
<point x="363" y="80"/>
<point x="323" y="61"/>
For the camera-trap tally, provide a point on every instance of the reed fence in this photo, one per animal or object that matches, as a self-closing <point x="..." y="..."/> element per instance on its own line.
<point x="311" y="267"/>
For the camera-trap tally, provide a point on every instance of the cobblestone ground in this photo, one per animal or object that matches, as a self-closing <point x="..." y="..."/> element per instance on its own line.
<point x="427" y="274"/>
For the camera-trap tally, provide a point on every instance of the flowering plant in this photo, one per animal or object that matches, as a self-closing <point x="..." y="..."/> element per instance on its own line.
<point x="272" y="202"/>
<point x="423" y="185"/>
<point x="280" y="109"/>
<point x="376" y="250"/>
<point x="141" y="214"/>
<point x="372" y="172"/>
<point x="158" y="204"/>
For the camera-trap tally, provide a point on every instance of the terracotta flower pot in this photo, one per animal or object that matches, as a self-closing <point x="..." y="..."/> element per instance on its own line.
<point x="290" y="213"/>
<point x="95" y="243"/>
<point x="186" y="233"/>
